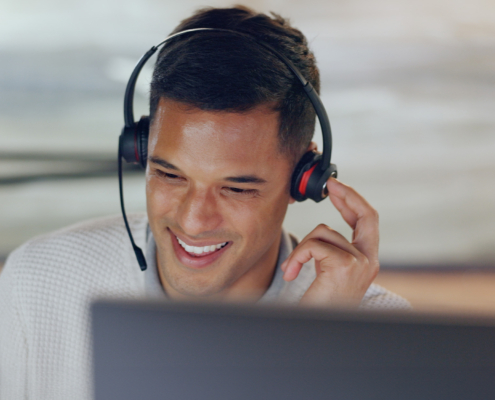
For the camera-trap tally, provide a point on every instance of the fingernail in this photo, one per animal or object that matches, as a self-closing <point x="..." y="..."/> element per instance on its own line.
<point x="284" y="276"/>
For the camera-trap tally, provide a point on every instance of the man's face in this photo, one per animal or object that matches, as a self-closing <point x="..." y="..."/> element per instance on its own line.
<point x="217" y="191"/>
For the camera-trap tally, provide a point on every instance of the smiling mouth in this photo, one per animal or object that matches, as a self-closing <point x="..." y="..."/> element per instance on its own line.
<point x="201" y="251"/>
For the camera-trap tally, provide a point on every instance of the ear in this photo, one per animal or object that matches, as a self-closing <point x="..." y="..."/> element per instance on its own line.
<point x="312" y="147"/>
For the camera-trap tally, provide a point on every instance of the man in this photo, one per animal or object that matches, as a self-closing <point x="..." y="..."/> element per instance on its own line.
<point x="229" y="122"/>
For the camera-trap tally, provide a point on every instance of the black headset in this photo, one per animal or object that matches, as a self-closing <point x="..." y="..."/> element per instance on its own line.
<point x="309" y="179"/>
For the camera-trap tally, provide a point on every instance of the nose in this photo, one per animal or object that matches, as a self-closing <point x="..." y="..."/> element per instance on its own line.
<point x="198" y="212"/>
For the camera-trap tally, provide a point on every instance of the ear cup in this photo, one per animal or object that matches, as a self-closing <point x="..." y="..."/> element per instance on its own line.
<point x="308" y="180"/>
<point x="142" y="135"/>
<point x="304" y="165"/>
<point x="133" y="142"/>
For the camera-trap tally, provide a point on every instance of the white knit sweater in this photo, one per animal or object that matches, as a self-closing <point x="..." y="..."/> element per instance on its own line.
<point x="46" y="288"/>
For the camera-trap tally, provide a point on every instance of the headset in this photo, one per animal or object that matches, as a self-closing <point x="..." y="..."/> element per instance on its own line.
<point x="309" y="179"/>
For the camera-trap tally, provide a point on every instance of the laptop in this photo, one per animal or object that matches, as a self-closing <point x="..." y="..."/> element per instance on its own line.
<point x="157" y="350"/>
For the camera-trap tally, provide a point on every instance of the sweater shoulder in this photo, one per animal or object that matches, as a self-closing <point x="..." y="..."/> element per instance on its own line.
<point x="46" y="288"/>
<point x="105" y="227"/>
<point x="87" y="237"/>
<point x="90" y="252"/>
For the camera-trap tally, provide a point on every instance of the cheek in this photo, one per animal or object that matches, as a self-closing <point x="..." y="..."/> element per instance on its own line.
<point x="158" y="200"/>
<point x="259" y="222"/>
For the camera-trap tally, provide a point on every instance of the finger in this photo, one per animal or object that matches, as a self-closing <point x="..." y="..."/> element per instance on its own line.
<point x="326" y="234"/>
<point x="350" y="203"/>
<point x="321" y="251"/>
<point x="359" y="214"/>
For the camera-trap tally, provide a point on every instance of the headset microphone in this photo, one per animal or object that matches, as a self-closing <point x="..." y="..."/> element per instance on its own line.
<point x="309" y="179"/>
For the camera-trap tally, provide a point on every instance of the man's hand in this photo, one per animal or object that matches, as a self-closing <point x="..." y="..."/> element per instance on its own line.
<point x="344" y="270"/>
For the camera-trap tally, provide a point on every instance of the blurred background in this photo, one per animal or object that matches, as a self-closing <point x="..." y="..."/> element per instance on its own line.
<point x="409" y="87"/>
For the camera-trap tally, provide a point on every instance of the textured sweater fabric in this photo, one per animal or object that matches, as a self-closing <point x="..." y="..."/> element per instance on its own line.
<point x="46" y="288"/>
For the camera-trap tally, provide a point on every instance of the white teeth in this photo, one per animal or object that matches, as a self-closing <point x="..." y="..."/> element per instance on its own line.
<point x="201" y="250"/>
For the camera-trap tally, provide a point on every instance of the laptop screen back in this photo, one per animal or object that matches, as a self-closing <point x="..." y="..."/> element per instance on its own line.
<point x="185" y="352"/>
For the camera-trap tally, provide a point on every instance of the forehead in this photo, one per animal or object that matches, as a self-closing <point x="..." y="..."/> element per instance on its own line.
<point x="215" y="139"/>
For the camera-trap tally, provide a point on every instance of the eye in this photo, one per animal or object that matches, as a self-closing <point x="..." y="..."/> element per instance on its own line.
<point x="168" y="176"/>
<point x="236" y="190"/>
<point x="243" y="192"/>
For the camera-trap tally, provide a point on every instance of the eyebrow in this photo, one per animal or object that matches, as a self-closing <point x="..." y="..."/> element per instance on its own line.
<point x="236" y="179"/>
<point x="245" y="179"/>
<point x="163" y="163"/>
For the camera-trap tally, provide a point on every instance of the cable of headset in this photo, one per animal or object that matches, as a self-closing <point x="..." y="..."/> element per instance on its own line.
<point x="139" y="253"/>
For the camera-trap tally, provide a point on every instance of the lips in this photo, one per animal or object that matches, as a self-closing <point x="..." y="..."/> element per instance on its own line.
<point x="197" y="257"/>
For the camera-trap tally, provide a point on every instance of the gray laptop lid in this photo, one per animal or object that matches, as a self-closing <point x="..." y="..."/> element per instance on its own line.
<point x="147" y="350"/>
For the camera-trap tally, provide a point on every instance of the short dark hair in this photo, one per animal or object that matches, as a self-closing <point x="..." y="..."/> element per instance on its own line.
<point x="219" y="71"/>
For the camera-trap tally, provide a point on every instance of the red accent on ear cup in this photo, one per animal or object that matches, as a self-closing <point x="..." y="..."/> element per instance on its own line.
<point x="309" y="159"/>
<point x="305" y="179"/>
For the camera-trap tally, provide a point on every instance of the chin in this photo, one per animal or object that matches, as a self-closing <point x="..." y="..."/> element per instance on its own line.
<point x="194" y="287"/>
